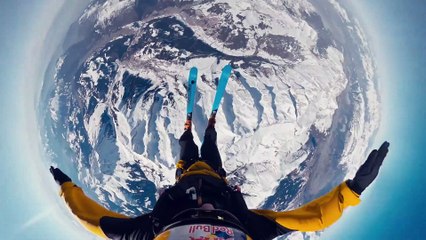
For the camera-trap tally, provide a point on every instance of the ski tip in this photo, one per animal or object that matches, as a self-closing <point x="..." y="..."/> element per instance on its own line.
<point x="227" y="67"/>
<point x="193" y="73"/>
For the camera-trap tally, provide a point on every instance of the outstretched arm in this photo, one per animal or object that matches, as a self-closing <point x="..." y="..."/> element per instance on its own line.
<point x="325" y="210"/>
<point x="318" y="214"/>
<point x="85" y="209"/>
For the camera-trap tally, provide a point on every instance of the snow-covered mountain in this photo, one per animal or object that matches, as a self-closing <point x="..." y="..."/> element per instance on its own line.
<point x="296" y="120"/>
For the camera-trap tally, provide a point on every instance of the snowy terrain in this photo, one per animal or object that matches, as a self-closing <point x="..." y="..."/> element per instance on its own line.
<point x="299" y="111"/>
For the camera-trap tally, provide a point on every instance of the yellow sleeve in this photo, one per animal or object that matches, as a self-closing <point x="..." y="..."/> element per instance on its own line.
<point x="85" y="209"/>
<point x="317" y="214"/>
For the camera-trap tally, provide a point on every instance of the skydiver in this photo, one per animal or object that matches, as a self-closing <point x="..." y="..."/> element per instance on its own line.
<point x="202" y="205"/>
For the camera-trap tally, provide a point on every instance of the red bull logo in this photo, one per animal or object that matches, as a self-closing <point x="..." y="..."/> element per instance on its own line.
<point x="202" y="232"/>
<point x="214" y="232"/>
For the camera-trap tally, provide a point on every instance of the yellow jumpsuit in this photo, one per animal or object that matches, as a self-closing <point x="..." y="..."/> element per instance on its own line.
<point x="313" y="216"/>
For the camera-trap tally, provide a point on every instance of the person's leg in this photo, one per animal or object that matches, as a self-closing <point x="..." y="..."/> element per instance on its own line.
<point x="209" y="151"/>
<point x="188" y="149"/>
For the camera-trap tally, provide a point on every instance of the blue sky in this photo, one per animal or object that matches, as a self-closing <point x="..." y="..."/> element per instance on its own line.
<point x="391" y="209"/>
<point x="29" y="206"/>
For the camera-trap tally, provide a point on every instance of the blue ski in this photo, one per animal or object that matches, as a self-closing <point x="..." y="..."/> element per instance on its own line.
<point x="226" y="73"/>
<point x="192" y="89"/>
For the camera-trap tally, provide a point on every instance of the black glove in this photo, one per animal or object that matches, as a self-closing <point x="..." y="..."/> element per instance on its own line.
<point x="369" y="170"/>
<point x="59" y="176"/>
